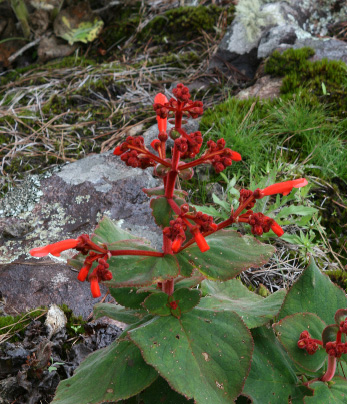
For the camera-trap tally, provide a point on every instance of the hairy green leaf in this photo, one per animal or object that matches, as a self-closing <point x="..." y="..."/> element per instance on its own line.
<point x="109" y="374"/>
<point x="232" y="295"/>
<point x="229" y="254"/>
<point x="204" y="355"/>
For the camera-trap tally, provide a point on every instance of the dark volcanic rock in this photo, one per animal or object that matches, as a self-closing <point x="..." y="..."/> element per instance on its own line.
<point x="65" y="205"/>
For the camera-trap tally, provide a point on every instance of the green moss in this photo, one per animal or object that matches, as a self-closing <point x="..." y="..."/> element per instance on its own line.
<point x="183" y="23"/>
<point x="319" y="82"/>
<point x="280" y="64"/>
<point x="75" y="325"/>
<point x="16" y="325"/>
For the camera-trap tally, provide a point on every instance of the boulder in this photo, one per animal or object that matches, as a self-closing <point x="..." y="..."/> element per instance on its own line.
<point x="64" y="205"/>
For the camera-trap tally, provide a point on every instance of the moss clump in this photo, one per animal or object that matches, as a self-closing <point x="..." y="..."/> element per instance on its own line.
<point x="75" y="325"/>
<point x="16" y="325"/>
<point x="319" y="82"/>
<point x="183" y="23"/>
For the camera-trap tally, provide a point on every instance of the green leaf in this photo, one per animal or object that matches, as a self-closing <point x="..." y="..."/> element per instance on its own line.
<point x="141" y="270"/>
<point x="107" y="232"/>
<point x="77" y="23"/>
<point x="109" y="374"/>
<point x="189" y="282"/>
<point x="288" y="332"/>
<point x="272" y="377"/>
<point x="187" y="298"/>
<point x="129" y="297"/>
<point x="229" y="254"/>
<point x="329" y="333"/>
<point x="118" y="313"/>
<point x="157" y="304"/>
<point x="162" y="211"/>
<point x="232" y="295"/>
<point x="200" y="354"/>
<point x="311" y="292"/>
<point x="158" y="392"/>
<point x="334" y="392"/>
<point x="161" y="191"/>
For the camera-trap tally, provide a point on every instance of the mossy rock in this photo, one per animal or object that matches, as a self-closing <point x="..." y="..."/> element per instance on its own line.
<point x="320" y="82"/>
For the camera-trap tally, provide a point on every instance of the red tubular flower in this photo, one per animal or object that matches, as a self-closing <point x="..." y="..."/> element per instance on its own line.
<point x="200" y="241"/>
<point x="162" y="122"/>
<point x="83" y="273"/>
<point x="283" y="188"/>
<point x="277" y="229"/>
<point x="54" y="249"/>
<point x="94" y="286"/>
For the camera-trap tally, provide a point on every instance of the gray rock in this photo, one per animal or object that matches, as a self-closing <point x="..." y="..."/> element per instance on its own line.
<point x="276" y="36"/>
<point x="265" y="87"/>
<point x="329" y="48"/>
<point x="66" y="205"/>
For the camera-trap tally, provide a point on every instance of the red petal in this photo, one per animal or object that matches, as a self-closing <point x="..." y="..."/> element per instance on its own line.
<point x="236" y="156"/>
<point x="83" y="273"/>
<point x="176" y="244"/>
<point x="201" y="242"/>
<point x="284" y="187"/>
<point x="160" y="99"/>
<point x="94" y="287"/>
<point x="277" y="229"/>
<point x="117" y="151"/>
<point x="54" y="249"/>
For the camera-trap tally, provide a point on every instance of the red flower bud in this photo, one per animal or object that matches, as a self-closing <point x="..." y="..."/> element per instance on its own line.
<point x="162" y="122"/>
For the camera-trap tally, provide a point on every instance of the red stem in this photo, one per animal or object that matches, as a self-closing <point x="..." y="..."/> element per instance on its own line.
<point x="201" y="160"/>
<point x="330" y="371"/>
<point x="167" y="286"/>
<point x="243" y="206"/>
<point x="150" y="155"/>
<point x="115" y="253"/>
<point x="95" y="247"/>
<point x="174" y="206"/>
<point x="172" y="175"/>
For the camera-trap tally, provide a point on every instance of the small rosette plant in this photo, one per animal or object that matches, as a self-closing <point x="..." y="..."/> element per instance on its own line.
<point x="184" y="342"/>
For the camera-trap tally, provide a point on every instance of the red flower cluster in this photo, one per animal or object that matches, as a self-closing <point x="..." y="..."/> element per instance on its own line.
<point x="182" y="104"/>
<point x="336" y="349"/>
<point x="260" y="223"/>
<point x="343" y="326"/>
<point x="244" y="195"/>
<point x="194" y="142"/>
<point x="204" y="221"/>
<point x="138" y="156"/>
<point x="220" y="156"/>
<point x="84" y="245"/>
<point x="176" y="233"/>
<point x="306" y="342"/>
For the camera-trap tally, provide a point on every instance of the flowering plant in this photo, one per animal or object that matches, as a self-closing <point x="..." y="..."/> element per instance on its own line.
<point x="183" y="341"/>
